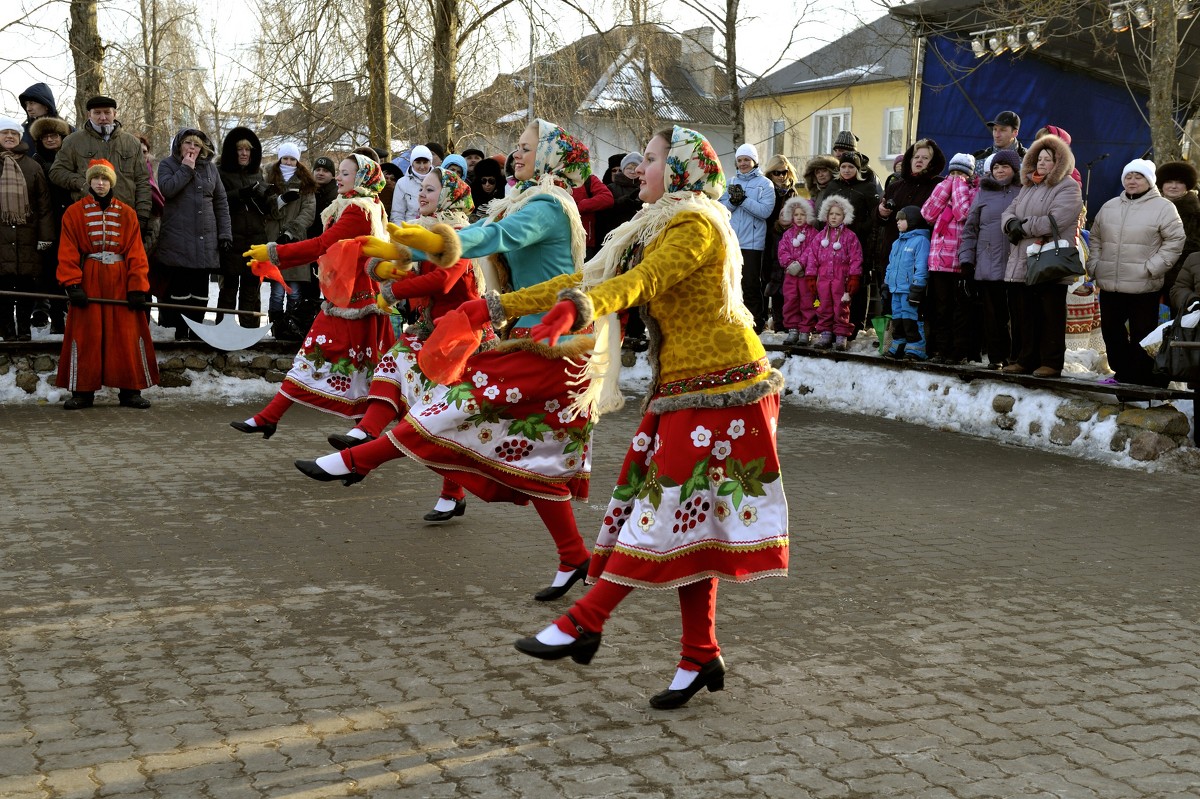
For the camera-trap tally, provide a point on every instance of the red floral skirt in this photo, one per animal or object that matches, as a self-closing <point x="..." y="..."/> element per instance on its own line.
<point x="503" y="432"/>
<point x="699" y="495"/>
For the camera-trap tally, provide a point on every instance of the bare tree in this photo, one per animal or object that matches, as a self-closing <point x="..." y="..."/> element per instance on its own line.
<point x="379" y="100"/>
<point x="87" y="52"/>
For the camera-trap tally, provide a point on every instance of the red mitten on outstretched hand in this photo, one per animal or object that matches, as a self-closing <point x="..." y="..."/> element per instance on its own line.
<point x="477" y="313"/>
<point x="852" y="284"/>
<point x="557" y="321"/>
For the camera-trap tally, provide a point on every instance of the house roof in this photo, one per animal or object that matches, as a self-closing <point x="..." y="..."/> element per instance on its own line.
<point x="878" y="51"/>
<point x="1082" y="42"/>
<point x="605" y="74"/>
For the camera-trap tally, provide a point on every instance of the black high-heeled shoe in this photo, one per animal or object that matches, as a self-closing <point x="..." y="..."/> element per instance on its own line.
<point x="581" y="650"/>
<point x="340" y="441"/>
<point x="555" y="591"/>
<point x="311" y="469"/>
<point x="710" y="676"/>
<point x="460" y="507"/>
<point x="267" y="430"/>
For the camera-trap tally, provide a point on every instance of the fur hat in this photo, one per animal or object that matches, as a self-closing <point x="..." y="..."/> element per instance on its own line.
<point x="846" y="141"/>
<point x="1141" y="166"/>
<point x="962" y="162"/>
<point x="98" y="167"/>
<point x="840" y="201"/>
<point x="912" y="215"/>
<point x="1182" y="171"/>
<point x="787" y="215"/>
<point x="8" y="123"/>
<point x="43" y="125"/>
<point x="631" y="158"/>
<point x="1008" y="157"/>
<point x="748" y="150"/>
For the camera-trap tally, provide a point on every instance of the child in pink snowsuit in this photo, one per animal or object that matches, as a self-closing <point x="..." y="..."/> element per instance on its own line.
<point x="835" y="267"/>
<point x="799" y="315"/>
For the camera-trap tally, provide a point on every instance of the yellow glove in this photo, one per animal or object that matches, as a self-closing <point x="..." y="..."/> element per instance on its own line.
<point x="382" y="304"/>
<point x="393" y="229"/>
<point x="257" y="252"/>
<point x="378" y="248"/>
<point x="418" y="238"/>
<point x="390" y="270"/>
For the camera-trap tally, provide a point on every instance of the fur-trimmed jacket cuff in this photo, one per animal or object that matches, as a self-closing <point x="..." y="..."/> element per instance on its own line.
<point x="451" y="249"/>
<point x="272" y="252"/>
<point x="403" y="256"/>
<point x="495" y="308"/>
<point x="585" y="311"/>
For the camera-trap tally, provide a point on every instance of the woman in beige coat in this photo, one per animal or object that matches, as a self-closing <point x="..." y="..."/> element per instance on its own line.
<point x="1039" y="313"/>
<point x="1135" y="239"/>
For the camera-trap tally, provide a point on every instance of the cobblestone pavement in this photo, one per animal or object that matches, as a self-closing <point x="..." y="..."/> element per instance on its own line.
<point x="183" y="615"/>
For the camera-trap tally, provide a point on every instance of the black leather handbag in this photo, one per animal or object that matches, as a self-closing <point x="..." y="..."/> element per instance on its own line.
<point x="1053" y="261"/>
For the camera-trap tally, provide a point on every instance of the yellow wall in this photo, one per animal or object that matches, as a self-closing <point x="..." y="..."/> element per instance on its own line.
<point x="867" y="104"/>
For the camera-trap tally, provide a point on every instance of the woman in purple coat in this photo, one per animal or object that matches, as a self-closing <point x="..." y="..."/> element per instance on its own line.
<point x="983" y="252"/>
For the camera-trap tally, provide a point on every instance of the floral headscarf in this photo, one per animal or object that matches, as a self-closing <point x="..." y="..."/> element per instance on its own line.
<point x="692" y="165"/>
<point x="456" y="194"/>
<point x="560" y="155"/>
<point x="368" y="180"/>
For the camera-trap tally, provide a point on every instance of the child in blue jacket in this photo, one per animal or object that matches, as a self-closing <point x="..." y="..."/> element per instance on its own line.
<point x="906" y="276"/>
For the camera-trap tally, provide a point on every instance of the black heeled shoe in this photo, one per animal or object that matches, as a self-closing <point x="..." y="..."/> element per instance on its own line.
<point x="267" y="430"/>
<point x="341" y="441"/>
<point x="311" y="469"/>
<point x="581" y="650"/>
<point x="555" y="591"/>
<point x="460" y="507"/>
<point x="710" y="676"/>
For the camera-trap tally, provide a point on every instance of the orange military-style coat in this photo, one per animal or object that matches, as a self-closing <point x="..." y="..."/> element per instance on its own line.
<point x="104" y="345"/>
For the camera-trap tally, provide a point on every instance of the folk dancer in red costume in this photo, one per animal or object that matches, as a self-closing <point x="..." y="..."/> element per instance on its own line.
<point x="332" y="371"/>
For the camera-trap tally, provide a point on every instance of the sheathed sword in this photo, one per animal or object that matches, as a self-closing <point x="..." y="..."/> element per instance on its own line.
<point x="225" y="335"/>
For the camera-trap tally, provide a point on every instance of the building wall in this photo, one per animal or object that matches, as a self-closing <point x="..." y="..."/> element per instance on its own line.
<point x="799" y="112"/>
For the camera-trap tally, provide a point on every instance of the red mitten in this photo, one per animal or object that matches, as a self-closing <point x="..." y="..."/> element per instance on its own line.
<point x="811" y="281"/>
<point x="557" y="321"/>
<point x="477" y="313"/>
<point x="852" y="284"/>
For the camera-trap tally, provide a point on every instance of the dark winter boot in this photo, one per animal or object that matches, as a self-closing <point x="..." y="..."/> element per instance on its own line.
<point x="79" y="400"/>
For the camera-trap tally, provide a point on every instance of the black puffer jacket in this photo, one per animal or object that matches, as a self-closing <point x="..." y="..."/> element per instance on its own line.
<point x="245" y="190"/>
<point x="908" y="189"/>
<point x="18" y="242"/>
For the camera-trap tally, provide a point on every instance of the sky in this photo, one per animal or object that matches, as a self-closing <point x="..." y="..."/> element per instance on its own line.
<point x="39" y="54"/>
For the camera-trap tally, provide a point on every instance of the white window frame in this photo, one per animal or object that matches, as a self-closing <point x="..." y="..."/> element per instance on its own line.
<point x="823" y="122"/>
<point x="887" y="131"/>
<point x="778" y="136"/>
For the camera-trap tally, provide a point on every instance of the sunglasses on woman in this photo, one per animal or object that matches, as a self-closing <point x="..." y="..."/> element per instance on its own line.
<point x="777" y="173"/>
<point x="487" y="180"/>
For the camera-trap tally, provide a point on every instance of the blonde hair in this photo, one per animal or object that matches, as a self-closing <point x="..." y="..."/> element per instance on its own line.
<point x="778" y="162"/>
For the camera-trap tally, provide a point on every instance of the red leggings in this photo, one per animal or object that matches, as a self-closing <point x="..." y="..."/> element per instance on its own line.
<point x="274" y="410"/>
<point x="697" y="610"/>
<point x="379" y="414"/>
<point x="558" y="516"/>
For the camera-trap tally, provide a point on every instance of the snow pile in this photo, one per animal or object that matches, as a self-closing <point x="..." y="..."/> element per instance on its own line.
<point x="943" y="402"/>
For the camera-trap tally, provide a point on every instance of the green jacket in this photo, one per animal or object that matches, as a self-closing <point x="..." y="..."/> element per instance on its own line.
<point x="122" y="150"/>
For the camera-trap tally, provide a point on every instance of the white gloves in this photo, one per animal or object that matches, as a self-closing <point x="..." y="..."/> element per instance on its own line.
<point x="846" y="297"/>
<point x="44" y="245"/>
<point x="795" y="269"/>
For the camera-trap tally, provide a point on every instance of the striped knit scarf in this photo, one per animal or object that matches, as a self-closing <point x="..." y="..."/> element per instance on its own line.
<point x="14" y="194"/>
